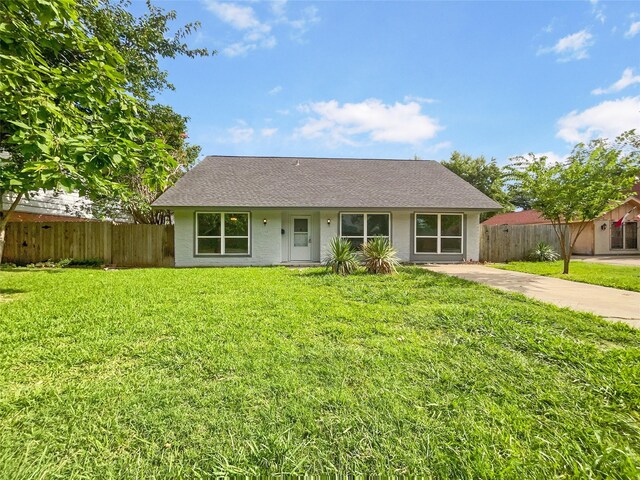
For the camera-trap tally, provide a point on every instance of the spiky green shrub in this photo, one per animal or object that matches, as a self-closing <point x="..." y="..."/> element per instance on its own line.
<point x="341" y="257"/>
<point x="380" y="256"/>
<point x="543" y="253"/>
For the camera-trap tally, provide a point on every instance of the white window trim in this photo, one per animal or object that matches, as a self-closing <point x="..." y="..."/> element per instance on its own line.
<point x="438" y="237"/>
<point x="366" y="237"/>
<point x="222" y="236"/>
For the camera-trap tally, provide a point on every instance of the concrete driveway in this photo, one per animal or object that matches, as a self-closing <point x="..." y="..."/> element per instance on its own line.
<point x="626" y="260"/>
<point x="610" y="303"/>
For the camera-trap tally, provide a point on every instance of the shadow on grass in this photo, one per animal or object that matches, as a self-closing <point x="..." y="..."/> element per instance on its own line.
<point x="6" y="292"/>
<point x="29" y="270"/>
<point x="315" y="272"/>
<point x="10" y="294"/>
<point x="406" y="270"/>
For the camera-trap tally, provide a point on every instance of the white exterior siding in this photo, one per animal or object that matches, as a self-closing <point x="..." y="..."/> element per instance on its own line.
<point x="401" y="233"/>
<point x="327" y="230"/>
<point x="270" y="246"/>
<point x="50" y="203"/>
<point x="264" y="246"/>
<point x="472" y="237"/>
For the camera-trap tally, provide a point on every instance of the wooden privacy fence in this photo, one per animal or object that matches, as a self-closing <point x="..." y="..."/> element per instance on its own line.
<point x="125" y="245"/>
<point x="501" y="243"/>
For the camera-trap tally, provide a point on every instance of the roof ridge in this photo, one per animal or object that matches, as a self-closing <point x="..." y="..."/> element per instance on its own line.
<point x="323" y="158"/>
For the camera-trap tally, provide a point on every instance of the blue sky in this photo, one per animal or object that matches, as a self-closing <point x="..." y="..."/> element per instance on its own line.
<point x="398" y="79"/>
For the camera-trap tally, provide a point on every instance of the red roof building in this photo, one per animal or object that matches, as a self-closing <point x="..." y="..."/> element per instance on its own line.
<point x="524" y="217"/>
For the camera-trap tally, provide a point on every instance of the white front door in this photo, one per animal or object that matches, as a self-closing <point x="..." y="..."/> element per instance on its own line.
<point x="301" y="238"/>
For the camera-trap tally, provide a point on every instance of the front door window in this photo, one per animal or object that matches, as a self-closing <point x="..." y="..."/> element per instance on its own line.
<point x="301" y="239"/>
<point x="300" y="232"/>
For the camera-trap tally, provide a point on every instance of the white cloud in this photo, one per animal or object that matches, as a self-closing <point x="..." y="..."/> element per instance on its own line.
<point x="548" y="28"/>
<point x="257" y="33"/>
<point x="634" y="29"/>
<point x="627" y="79"/>
<point x="433" y="149"/>
<point x="269" y="132"/>
<point x="240" y="133"/>
<point x="283" y="111"/>
<point x="411" y="98"/>
<point x="278" y="7"/>
<point x="275" y="90"/>
<point x="398" y="123"/>
<point x="607" y="119"/>
<point x="598" y="11"/>
<point x="239" y="17"/>
<point x="300" y="25"/>
<point x="238" y="49"/>
<point x="571" y="47"/>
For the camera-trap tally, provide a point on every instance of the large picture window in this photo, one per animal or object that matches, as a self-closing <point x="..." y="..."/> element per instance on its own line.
<point x="222" y="233"/>
<point x="359" y="228"/>
<point x="438" y="233"/>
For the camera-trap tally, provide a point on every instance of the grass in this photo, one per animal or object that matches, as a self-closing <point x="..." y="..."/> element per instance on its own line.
<point x="616" y="276"/>
<point x="201" y="372"/>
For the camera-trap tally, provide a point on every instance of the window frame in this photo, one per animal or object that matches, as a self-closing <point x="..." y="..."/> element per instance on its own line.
<point x="613" y="228"/>
<point x="438" y="235"/>
<point x="623" y="235"/>
<point x="365" y="237"/>
<point x="222" y="235"/>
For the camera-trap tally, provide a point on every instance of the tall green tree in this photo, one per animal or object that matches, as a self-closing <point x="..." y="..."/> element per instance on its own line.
<point x="66" y="119"/>
<point x="138" y="42"/>
<point x="518" y="198"/>
<point x="141" y="41"/>
<point x="168" y="127"/>
<point x="597" y="177"/>
<point x="483" y="174"/>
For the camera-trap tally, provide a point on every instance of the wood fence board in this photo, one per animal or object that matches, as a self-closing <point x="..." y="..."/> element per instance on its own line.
<point x="124" y="245"/>
<point x="502" y="243"/>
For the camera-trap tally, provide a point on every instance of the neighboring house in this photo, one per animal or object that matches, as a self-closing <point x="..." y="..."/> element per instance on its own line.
<point x="523" y="217"/>
<point x="48" y="206"/>
<point x="600" y="237"/>
<point x="266" y="211"/>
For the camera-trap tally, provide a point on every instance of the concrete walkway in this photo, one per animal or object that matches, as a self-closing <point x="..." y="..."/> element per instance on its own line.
<point x="625" y="260"/>
<point x="611" y="303"/>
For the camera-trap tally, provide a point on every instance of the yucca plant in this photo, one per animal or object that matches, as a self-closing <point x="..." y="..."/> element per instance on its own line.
<point x="543" y="253"/>
<point x="380" y="256"/>
<point x="341" y="257"/>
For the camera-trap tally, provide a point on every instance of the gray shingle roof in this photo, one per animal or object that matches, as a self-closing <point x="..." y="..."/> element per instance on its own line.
<point x="219" y="181"/>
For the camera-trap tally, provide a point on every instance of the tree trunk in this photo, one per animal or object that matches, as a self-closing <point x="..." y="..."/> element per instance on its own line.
<point x="154" y="217"/>
<point x="567" y="257"/>
<point x="4" y="219"/>
<point x="3" y="232"/>
<point x="565" y="251"/>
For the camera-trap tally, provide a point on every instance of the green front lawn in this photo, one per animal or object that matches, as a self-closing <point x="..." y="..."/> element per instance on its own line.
<point x="198" y="372"/>
<point x="616" y="276"/>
